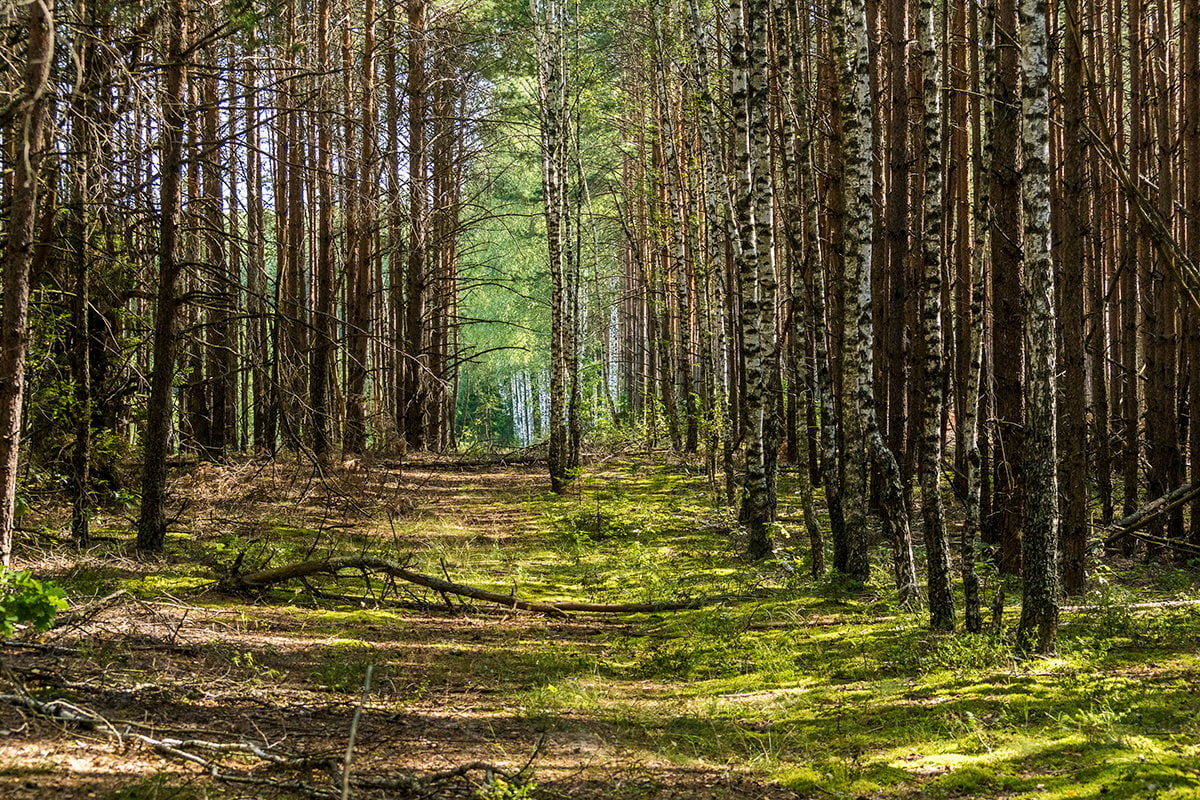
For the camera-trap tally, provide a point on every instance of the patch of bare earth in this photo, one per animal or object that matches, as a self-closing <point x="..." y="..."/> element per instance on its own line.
<point x="138" y="686"/>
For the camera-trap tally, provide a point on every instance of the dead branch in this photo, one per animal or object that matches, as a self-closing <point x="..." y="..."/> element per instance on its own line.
<point x="256" y="581"/>
<point x="1132" y="524"/>
<point x="1136" y="606"/>
<point x="84" y="613"/>
<point x="210" y="756"/>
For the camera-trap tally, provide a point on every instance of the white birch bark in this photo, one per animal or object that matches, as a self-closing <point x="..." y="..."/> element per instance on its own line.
<point x="861" y="429"/>
<point x="549" y="24"/>
<point x="941" y="595"/>
<point x="756" y="267"/>
<point x="1039" y="600"/>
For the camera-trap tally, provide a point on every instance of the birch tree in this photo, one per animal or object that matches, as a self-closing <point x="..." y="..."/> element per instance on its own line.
<point x="756" y="267"/>
<point x="554" y="111"/>
<point x="861" y="428"/>
<point x="1039" y="601"/>
<point x="941" y="596"/>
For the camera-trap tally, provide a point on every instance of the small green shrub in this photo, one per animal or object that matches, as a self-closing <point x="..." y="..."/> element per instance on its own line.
<point x="24" y="600"/>
<point x="500" y="789"/>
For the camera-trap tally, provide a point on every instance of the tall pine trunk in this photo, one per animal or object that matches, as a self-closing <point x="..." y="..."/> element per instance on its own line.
<point x="31" y="113"/>
<point x="1075" y="233"/>
<point x="152" y="520"/>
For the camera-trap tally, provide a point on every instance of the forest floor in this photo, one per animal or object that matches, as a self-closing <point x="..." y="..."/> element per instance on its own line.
<point x="778" y="687"/>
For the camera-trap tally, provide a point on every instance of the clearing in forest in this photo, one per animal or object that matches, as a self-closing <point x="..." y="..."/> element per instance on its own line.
<point x="776" y="686"/>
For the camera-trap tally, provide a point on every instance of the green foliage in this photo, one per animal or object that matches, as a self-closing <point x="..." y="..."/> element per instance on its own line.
<point x="24" y="600"/>
<point x="971" y="652"/>
<point x="500" y="789"/>
<point x="341" y="672"/>
<point x="256" y="671"/>
<point x="51" y="407"/>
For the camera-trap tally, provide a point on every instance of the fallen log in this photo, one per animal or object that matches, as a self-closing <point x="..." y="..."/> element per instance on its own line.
<point x="1131" y="524"/>
<point x="256" y="581"/>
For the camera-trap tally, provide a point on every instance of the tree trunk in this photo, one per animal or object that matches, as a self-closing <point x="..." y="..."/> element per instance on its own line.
<point x="756" y="268"/>
<point x="1075" y="233"/>
<point x="152" y="521"/>
<point x="358" y="301"/>
<point x="416" y="274"/>
<point x="941" y="594"/>
<point x="31" y="115"/>
<point x="973" y="478"/>
<point x="1190" y="45"/>
<point x="323" y="290"/>
<point x="1004" y="527"/>
<point x="1038" y="628"/>
<point x="553" y="108"/>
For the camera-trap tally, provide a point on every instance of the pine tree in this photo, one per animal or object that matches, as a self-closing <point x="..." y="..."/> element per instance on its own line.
<point x="30" y="114"/>
<point x="152" y="520"/>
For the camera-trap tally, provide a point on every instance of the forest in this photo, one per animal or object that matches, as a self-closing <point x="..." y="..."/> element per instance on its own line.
<point x="599" y="399"/>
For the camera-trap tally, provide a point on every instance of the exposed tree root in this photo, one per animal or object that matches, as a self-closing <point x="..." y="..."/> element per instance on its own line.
<point x="254" y="581"/>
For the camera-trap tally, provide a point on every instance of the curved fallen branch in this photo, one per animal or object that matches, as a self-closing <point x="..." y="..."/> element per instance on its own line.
<point x="255" y="581"/>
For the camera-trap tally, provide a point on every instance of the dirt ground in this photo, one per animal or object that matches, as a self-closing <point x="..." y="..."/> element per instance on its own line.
<point x="198" y="667"/>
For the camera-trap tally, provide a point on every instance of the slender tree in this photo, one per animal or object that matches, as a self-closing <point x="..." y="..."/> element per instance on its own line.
<point x="549" y="18"/>
<point x="941" y="594"/>
<point x="756" y="268"/>
<point x="152" y="520"/>
<point x="1075" y="233"/>
<point x="1039" y="602"/>
<point x="972" y="517"/>
<point x="1007" y="345"/>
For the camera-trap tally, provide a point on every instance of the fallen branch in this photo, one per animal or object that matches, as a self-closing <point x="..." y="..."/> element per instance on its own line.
<point x="1133" y="523"/>
<point x="255" y="581"/>
<point x="84" y="613"/>
<point x="1136" y="606"/>
<point x="209" y="757"/>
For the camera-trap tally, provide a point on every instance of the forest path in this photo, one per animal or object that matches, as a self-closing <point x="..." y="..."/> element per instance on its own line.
<point x="453" y="684"/>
